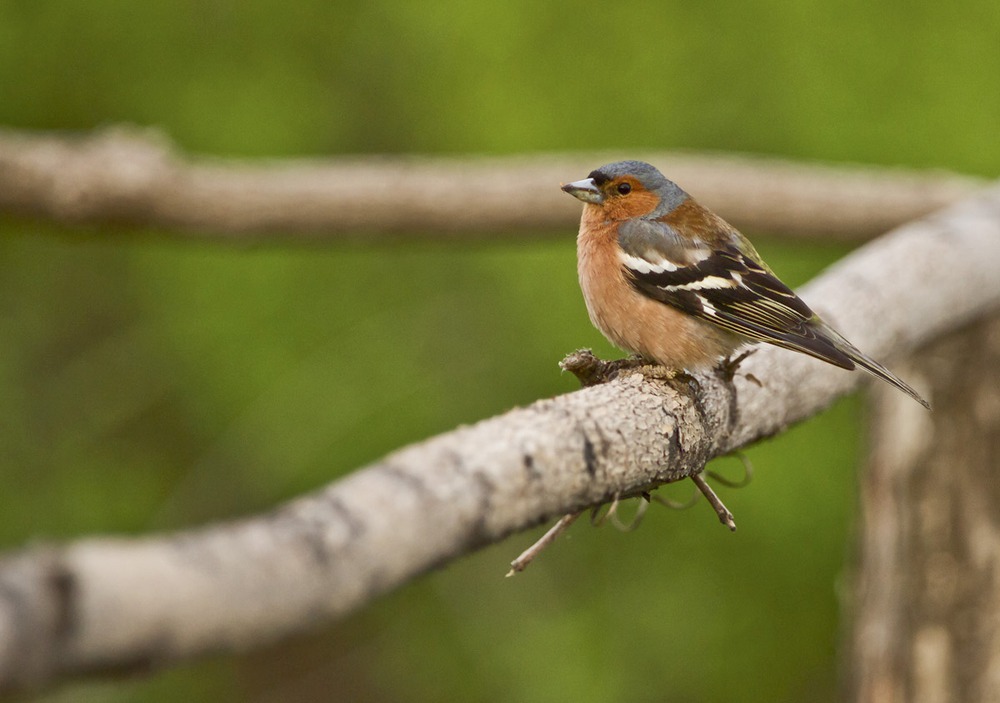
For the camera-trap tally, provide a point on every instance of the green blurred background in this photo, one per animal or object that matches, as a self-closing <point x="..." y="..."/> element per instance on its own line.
<point x="148" y="384"/>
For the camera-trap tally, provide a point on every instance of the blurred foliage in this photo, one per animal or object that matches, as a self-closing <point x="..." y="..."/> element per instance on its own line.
<point x="148" y="384"/>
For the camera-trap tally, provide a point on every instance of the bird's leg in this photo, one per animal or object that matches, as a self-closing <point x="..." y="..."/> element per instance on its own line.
<point x="725" y="517"/>
<point x="588" y="369"/>
<point x="630" y="362"/>
<point x="730" y="364"/>
<point x="680" y="376"/>
<point x="592" y="371"/>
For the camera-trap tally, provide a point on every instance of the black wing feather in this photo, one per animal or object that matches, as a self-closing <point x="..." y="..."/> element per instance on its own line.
<point x="738" y="294"/>
<point x="731" y="289"/>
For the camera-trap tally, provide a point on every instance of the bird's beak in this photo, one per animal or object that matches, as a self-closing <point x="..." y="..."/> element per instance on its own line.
<point x="585" y="190"/>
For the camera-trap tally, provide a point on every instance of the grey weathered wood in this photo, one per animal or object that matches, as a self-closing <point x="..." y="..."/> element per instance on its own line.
<point x="137" y="177"/>
<point x="926" y="606"/>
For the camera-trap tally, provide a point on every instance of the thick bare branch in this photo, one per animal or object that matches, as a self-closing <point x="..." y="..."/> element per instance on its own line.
<point x="135" y="177"/>
<point x="104" y="604"/>
<point x="925" y="620"/>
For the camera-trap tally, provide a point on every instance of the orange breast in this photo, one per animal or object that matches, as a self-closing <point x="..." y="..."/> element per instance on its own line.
<point x="633" y="321"/>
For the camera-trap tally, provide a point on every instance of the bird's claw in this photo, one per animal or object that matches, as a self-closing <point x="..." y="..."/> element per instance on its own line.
<point x="592" y="371"/>
<point x="731" y="364"/>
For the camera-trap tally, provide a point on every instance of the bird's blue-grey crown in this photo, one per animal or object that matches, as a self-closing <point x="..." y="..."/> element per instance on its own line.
<point x="671" y="194"/>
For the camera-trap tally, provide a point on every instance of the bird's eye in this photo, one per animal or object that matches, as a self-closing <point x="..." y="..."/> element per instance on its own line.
<point x="624" y="188"/>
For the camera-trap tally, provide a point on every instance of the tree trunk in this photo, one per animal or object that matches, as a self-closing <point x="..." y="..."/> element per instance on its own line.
<point x="927" y="612"/>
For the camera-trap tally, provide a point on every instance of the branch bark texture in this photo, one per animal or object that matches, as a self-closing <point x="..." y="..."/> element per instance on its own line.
<point x="103" y="603"/>
<point x="136" y="177"/>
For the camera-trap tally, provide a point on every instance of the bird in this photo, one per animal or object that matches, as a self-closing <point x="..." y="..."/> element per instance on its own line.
<point x="667" y="279"/>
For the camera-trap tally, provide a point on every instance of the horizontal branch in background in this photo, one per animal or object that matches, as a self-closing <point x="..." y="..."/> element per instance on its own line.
<point x="116" y="604"/>
<point x="136" y="177"/>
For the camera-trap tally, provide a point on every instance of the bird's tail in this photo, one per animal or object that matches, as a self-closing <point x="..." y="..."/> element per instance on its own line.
<point x="876" y="369"/>
<point x="873" y="367"/>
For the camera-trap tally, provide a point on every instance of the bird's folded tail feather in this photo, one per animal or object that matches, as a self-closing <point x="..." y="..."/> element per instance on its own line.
<point x="871" y="366"/>
<point x="876" y="369"/>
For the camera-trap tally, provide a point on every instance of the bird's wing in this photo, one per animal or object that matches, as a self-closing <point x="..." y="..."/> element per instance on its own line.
<point x="725" y="286"/>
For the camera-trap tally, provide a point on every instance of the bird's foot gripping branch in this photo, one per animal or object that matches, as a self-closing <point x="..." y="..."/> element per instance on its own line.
<point x="591" y="371"/>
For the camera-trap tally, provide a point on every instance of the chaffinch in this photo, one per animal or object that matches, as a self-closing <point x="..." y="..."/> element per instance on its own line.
<point x="671" y="281"/>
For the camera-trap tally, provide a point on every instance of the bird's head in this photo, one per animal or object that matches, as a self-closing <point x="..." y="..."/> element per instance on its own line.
<point x="627" y="189"/>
